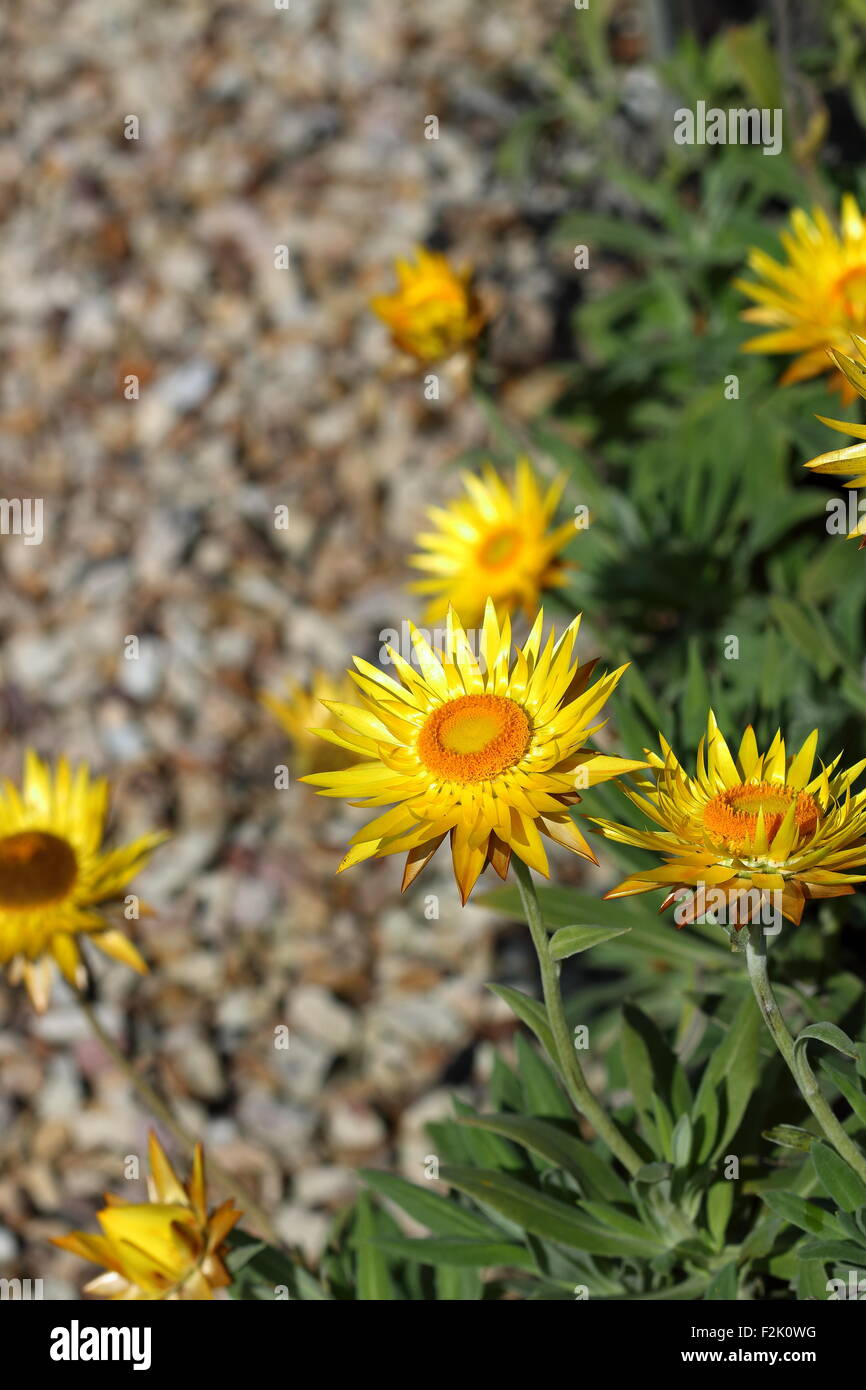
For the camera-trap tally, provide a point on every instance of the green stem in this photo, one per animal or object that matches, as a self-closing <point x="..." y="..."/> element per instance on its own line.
<point x="569" y="1066"/>
<point x="756" y="961"/>
<point x="160" y="1110"/>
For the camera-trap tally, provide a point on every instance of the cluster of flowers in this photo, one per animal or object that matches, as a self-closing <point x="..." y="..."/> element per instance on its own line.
<point x="489" y="748"/>
<point x="492" y="752"/>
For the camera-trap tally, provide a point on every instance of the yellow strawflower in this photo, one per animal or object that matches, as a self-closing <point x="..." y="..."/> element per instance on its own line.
<point x="764" y="821"/>
<point x="54" y="876"/>
<point x="495" y="541"/>
<point x="303" y="712"/>
<point x="816" y="299"/>
<point x="852" y="460"/>
<point x="489" y="751"/>
<point x="433" y="312"/>
<point x="167" y="1248"/>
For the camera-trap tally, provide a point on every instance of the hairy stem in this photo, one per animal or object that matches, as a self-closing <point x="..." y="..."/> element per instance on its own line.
<point x="568" y="1063"/>
<point x="756" y="961"/>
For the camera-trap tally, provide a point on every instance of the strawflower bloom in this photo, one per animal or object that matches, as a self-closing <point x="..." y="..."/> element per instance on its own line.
<point x="490" y="752"/>
<point x="434" y="312"/>
<point x="54" y="876"/>
<point x="302" y="711"/>
<point x="764" y="821"/>
<point x="816" y="299"/>
<point x="851" y="460"/>
<point x="167" y="1248"/>
<point x="496" y="540"/>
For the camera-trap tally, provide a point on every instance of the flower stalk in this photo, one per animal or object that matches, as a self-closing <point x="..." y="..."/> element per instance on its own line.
<point x="756" y="962"/>
<point x="568" y="1062"/>
<point x="162" y="1112"/>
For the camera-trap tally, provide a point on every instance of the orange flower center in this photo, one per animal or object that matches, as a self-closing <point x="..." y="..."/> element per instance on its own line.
<point x="500" y="547"/>
<point x="36" y="868"/>
<point x="732" y="816"/>
<point x="851" y="289"/>
<point x="473" y="737"/>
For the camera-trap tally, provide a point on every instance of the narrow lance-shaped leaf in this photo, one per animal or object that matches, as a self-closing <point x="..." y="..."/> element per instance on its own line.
<point x="844" y="1186"/>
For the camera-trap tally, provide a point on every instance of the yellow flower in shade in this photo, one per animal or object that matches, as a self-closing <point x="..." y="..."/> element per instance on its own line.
<point x="303" y="712"/>
<point x="167" y="1248"/>
<point x="484" y="750"/>
<point x="852" y="460"/>
<point x="496" y="541"/>
<point x="54" y="874"/>
<point x="433" y="312"/>
<point x="760" y="821"/>
<point x="814" y="301"/>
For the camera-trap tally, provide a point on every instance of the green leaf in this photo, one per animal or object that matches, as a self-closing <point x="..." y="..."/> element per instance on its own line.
<point x="258" y="1270"/>
<point x="530" y="1012"/>
<point x="840" y="1251"/>
<point x="655" y="1077"/>
<point x="374" y="1280"/>
<point x="696" y="697"/>
<point x="847" y="1084"/>
<point x="731" y="1072"/>
<point x="720" y="1204"/>
<point x="790" y="1137"/>
<point x="542" y="1092"/>
<point x="808" y="632"/>
<point x="664" y="1127"/>
<point x="723" y="1287"/>
<point x="812" y="1219"/>
<point x="811" y="1281"/>
<point x="539" y="1136"/>
<point x="562" y="907"/>
<point x="242" y="1249"/>
<point x="844" y="1186"/>
<point x="505" y="1088"/>
<point x="541" y="1214"/>
<point x="831" y="1035"/>
<point x="853" y="1226"/>
<point x="622" y="1221"/>
<point x="562" y="1149"/>
<point x="616" y="234"/>
<point x="485" y="1149"/>
<point x="652" y="1173"/>
<point x="440" y="1214"/>
<point x="309" y="1290"/>
<point x="455" y="1284"/>
<point x="569" y="941"/>
<point x="457" y="1251"/>
<point x="449" y="1142"/>
<point x="640" y="1048"/>
<point x="681" y="1142"/>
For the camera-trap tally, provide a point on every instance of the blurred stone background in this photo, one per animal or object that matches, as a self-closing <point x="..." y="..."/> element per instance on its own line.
<point x="259" y="387"/>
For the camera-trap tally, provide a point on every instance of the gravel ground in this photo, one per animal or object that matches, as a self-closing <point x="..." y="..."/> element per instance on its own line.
<point x="260" y="387"/>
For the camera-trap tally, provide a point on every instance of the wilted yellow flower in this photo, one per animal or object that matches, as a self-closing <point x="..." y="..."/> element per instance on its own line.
<point x="852" y="460"/>
<point x="760" y="821"/>
<point x="167" y="1248"/>
<point x="490" y="753"/>
<point x="303" y="713"/>
<point x="818" y="298"/>
<point x="496" y="541"/>
<point x="54" y="874"/>
<point x="434" y="312"/>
